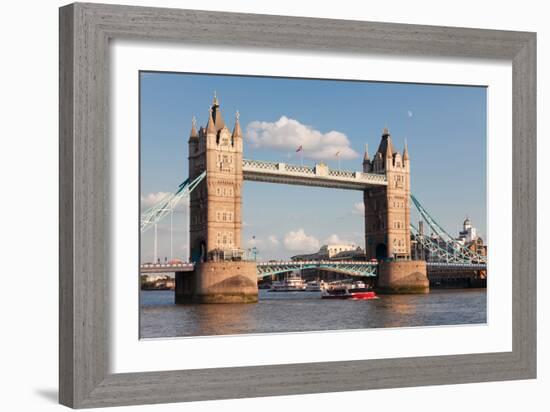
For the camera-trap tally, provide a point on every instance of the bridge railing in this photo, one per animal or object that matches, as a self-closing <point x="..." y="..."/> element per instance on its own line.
<point x="298" y="169"/>
<point x="320" y="170"/>
<point x="165" y="265"/>
<point x="342" y="173"/>
<point x="457" y="265"/>
<point x="228" y="254"/>
<point x="260" y="164"/>
<point x="316" y="262"/>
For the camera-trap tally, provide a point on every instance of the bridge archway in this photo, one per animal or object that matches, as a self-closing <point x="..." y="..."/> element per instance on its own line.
<point x="198" y="252"/>
<point x="203" y="251"/>
<point x="381" y="251"/>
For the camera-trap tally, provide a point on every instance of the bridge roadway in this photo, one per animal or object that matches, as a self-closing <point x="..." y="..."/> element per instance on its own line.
<point x="348" y="267"/>
<point x="319" y="175"/>
<point x="166" y="267"/>
<point x="352" y="268"/>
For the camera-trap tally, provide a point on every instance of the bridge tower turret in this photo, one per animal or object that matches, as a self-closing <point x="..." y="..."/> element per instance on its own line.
<point x="367" y="165"/>
<point x="193" y="144"/>
<point x="221" y="274"/>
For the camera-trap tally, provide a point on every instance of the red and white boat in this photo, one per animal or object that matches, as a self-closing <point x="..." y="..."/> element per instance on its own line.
<point x="355" y="291"/>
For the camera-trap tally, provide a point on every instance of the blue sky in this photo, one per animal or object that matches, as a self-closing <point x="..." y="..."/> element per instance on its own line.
<point x="445" y="127"/>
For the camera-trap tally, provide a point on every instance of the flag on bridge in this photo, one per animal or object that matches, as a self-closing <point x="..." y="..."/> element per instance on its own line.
<point x="301" y="150"/>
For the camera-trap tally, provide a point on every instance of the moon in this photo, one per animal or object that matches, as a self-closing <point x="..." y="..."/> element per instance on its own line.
<point x="409" y="113"/>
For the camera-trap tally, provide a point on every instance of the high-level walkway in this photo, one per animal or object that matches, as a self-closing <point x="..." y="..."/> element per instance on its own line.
<point x="319" y="175"/>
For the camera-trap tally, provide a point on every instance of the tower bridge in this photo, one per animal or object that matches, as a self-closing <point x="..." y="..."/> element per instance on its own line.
<point x="221" y="272"/>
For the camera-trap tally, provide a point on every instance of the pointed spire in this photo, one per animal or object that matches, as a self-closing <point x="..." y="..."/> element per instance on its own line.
<point x="237" y="130"/>
<point x="366" y="157"/>
<point x="389" y="149"/>
<point x="193" y="133"/>
<point x="386" y="146"/>
<point x="217" y="114"/>
<point x="406" y="151"/>
<point x="210" y="127"/>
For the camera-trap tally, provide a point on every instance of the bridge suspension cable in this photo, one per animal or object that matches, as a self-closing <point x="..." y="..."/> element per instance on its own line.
<point x="458" y="251"/>
<point x="168" y="203"/>
<point x="434" y="249"/>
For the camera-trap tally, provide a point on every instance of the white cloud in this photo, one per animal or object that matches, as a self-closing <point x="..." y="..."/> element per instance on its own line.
<point x="299" y="241"/>
<point x="409" y="113"/>
<point x="152" y="199"/>
<point x="253" y="242"/>
<point x="288" y="134"/>
<point x="358" y="208"/>
<point x="273" y="240"/>
<point x="335" y="239"/>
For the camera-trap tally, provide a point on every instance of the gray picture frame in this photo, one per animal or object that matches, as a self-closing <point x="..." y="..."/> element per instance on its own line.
<point x="85" y="32"/>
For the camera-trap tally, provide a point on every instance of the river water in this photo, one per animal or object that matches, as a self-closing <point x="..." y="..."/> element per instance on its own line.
<point x="306" y="311"/>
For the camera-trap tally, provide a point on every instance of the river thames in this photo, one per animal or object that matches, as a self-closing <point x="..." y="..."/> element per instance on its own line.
<point x="306" y="311"/>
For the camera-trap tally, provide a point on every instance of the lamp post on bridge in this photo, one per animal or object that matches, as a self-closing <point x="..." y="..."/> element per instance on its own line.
<point x="155" y="254"/>
<point x="254" y="251"/>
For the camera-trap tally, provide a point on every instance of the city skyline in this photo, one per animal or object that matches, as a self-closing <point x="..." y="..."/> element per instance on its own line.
<point x="445" y="127"/>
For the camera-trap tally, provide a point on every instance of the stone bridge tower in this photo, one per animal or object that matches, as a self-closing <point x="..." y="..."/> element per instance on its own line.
<point x="215" y="207"/>
<point x="387" y="209"/>
<point x="221" y="273"/>
<point x="387" y="221"/>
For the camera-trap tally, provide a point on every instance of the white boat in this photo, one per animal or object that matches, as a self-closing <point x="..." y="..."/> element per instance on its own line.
<point x="292" y="283"/>
<point x="358" y="285"/>
<point x="315" y="286"/>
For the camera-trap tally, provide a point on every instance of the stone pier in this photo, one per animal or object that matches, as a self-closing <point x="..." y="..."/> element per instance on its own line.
<point x="218" y="282"/>
<point x="407" y="276"/>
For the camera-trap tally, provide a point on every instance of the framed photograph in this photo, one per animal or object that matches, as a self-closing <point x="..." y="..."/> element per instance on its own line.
<point x="256" y="205"/>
